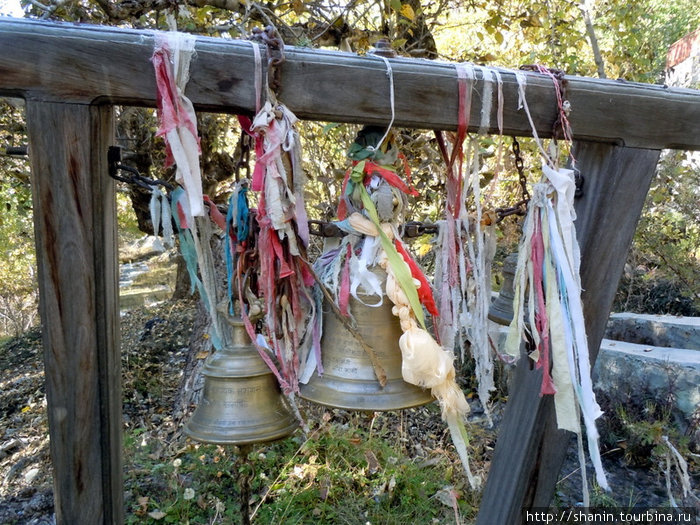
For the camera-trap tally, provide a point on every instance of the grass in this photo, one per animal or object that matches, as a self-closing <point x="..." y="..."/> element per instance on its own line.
<point x="339" y="475"/>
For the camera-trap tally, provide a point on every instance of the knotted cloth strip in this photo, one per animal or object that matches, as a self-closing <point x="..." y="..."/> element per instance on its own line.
<point x="548" y="268"/>
<point x="178" y="122"/>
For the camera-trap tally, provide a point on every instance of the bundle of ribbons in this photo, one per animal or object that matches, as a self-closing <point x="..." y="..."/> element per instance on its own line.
<point x="284" y="279"/>
<point x="547" y="280"/>
<point x="467" y="242"/>
<point x="371" y="208"/>
<point x="267" y="272"/>
<point x="276" y="254"/>
<point x="178" y="127"/>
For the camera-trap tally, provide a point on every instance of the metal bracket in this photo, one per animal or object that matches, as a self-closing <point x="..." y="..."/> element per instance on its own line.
<point x="114" y="157"/>
<point x="579" y="180"/>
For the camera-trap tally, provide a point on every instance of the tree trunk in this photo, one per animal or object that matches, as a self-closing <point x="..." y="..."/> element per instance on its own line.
<point x="182" y="280"/>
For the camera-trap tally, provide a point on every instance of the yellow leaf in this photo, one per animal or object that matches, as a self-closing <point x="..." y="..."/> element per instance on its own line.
<point x="408" y="12"/>
<point x="298" y="6"/>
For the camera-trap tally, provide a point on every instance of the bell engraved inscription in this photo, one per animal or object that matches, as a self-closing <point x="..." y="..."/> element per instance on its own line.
<point x="241" y="402"/>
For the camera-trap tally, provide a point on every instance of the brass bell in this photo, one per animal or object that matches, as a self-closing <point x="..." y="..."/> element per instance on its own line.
<point x="348" y="380"/>
<point x="241" y="402"/>
<point x="501" y="310"/>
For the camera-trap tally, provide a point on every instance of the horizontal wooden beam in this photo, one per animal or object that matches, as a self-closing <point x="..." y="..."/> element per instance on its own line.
<point x="91" y="64"/>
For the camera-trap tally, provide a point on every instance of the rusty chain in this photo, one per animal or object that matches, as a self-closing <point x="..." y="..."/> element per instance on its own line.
<point x="275" y="52"/>
<point x="520" y="207"/>
<point x="409" y="229"/>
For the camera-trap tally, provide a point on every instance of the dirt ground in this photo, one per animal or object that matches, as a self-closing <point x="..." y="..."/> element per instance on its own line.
<point x="154" y="344"/>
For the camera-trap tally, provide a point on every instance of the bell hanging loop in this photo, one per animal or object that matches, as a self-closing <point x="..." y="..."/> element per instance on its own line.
<point x="501" y="310"/>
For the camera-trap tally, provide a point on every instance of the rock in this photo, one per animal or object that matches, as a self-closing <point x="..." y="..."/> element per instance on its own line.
<point x="41" y="501"/>
<point x="624" y="367"/>
<point x="9" y="446"/>
<point x="143" y="248"/>
<point x="655" y="330"/>
<point x="31" y="475"/>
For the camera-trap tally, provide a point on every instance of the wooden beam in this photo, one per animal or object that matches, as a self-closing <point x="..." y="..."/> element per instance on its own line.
<point x="75" y="229"/>
<point x="530" y="449"/>
<point x="88" y="64"/>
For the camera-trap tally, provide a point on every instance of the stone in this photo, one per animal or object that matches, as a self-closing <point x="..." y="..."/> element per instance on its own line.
<point x="31" y="475"/>
<point x="630" y="367"/>
<point x="655" y="330"/>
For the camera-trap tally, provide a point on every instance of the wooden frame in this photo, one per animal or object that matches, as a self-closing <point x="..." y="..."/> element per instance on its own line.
<point x="106" y="65"/>
<point x="71" y="75"/>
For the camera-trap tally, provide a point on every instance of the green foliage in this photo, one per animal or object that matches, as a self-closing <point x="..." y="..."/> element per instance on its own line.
<point x="665" y="259"/>
<point x="341" y="474"/>
<point x="634" y="426"/>
<point x="18" y="280"/>
<point x="126" y="219"/>
<point x="636" y="35"/>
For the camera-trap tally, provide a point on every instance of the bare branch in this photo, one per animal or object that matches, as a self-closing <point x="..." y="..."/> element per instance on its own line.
<point x="590" y="30"/>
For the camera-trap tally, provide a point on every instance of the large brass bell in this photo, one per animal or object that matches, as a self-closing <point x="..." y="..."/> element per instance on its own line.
<point x="501" y="310"/>
<point x="349" y="380"/>
<point x="241" y="402"/>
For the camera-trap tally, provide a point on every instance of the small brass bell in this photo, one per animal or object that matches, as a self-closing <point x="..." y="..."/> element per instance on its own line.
<point x="241" y="402"/>
<point x="501" y="310"/>
<point x="348" y="380"/>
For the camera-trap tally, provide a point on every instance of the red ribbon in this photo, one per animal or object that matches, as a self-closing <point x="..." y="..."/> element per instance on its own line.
<point x="390" y="176"/>
<point x="259" y="169"/>
<point x="425" y="292"/>
<point x="215" y="214"/>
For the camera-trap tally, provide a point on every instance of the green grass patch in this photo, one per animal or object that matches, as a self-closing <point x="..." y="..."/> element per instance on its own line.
<point x="338" y="475"/>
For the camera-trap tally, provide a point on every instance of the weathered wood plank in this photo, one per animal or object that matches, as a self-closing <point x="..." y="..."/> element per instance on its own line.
<point x="86" y="64"/>
<point x="530" y="449"/>
<point x="75" y="228"/>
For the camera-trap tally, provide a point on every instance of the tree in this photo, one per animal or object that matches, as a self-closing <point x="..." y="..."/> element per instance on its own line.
<point x="18" y="281"/>
<point x="632" y="38"/>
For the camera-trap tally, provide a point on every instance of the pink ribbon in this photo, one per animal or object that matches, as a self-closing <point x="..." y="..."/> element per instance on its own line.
<point x="171" y="112"/>
<point x="541" y="321"/>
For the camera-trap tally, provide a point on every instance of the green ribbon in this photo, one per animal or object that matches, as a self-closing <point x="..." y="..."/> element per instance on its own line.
<point x="401" y="270"/>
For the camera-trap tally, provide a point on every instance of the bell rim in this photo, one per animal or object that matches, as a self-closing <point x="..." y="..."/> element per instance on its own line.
<point x="396" y="395"/>
<point x="248" y="437"/>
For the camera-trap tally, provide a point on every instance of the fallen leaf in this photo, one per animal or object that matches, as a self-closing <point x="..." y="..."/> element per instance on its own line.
<point x="157" y="514"/>
<point x="372" y="463"/>
<point x="447" y="496"/>
<point x="324" y="487"/>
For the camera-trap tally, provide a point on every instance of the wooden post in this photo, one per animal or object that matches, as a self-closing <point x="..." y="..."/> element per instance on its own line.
<point x="530" y="449"/>
<point x="75" y="229"/>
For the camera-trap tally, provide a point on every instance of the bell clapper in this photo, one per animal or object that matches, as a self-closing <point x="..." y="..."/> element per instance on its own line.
<point x="245" y="470"/>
